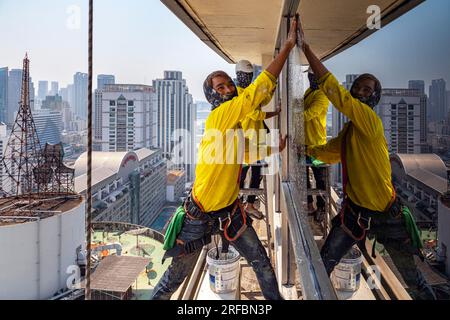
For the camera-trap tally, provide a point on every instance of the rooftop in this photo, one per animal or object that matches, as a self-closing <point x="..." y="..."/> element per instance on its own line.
<point x="174" y="175"/>
<point x="117" y="273"/>
<point x="136" y="241"/>
<point x="127" y="88"/>
<point x="14" y="210"/>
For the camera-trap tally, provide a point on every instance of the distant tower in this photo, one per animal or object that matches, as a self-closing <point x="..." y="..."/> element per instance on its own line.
<point x="27" y="169"/>
<point x="22" y="152"/>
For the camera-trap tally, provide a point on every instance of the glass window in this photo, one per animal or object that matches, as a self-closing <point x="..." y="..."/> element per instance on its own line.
<point x="112" y="102"/>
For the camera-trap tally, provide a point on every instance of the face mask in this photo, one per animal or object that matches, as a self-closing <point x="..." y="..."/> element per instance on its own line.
<point x="371" y="101"/>
<point x="313" y="81"/>
<point x="215" y="98"/>
<point x="244" y="79"/>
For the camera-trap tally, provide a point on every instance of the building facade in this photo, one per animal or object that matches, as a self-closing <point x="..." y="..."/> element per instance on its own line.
<point x="105" y="79"/>
<point x="418" y="85"/>
<point x="80" y="95"/>
<point x="128" y="119"/>
<point x="438" y="100"/>
<point x="3" y="93"/>
<point x="49" y="126"/>
<point x="14" y="91"/>
<point x="419" y="177"/>
<point x="126" y="186"/>
<point x="54" y="88"/>
<point x="401" y="111"/>
<point x="42" y="90"/>
<point x="14" y="94"/>
<point x="176" y="185"/>
<point x="444" y="231"/>
<point x="176" y="121"/>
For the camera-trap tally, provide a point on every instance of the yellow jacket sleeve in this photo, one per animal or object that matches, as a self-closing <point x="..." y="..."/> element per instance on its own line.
<point x="363" y="117"/>
<point x="230" y="113"/>
<point x="257" y="115"/>
<point x="319" y="102"/>
<point x="329" y="152"/>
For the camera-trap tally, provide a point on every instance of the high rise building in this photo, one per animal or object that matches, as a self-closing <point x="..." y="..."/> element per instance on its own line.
<point x="64" y="93"/>
<point x="448" y="105"/>
<point x="80" y="95"/>
<point x="54" y="88"/>
<point x="49" y="125"/>
<point x="14" y="89"/>
<point x="176" y="121"/>
<point x="420" y="86"/>
<point x="104" y="79"/>
<point x="98" y="120"/>
<point x="128" y="117"/>
<point x="53" y="103"/>
<point x="4" y="136"/>
<point x="400" y="111"/>
<point x="42" y="90"/>
<point x="437" y="107"/>
<point x="3" y="93"/>
<point x="417" y="84"/>
<point x="32" y="94"/>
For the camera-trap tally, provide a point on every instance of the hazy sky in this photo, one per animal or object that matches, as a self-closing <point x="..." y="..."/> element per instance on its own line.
<point x="136" y="40"/>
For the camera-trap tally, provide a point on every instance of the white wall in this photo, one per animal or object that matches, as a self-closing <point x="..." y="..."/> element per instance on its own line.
<point x="35" y="255"/>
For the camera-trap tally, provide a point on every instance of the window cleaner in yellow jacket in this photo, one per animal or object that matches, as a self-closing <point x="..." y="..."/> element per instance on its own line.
<point x="315" y="122"/>
<point x="370" y="205"/>
<point x="255" y="131"/>
<point x="213" y="206"/>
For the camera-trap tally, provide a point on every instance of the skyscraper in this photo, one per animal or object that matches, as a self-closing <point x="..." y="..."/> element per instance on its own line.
<point x="54" y="88"/>
<point x="3" y="93"/>
<point x="176" y="113"/>
<point x="417" y="84"/>
<point x="42" y="90"/>
<point x="14" y="89"/>
<point x="128" y="117"/>
<point x="49" y="125"/>
<point x="420" y="86"/>
<point x="400" y="111"/>
<point x="80" y="95"/>
<point x="104" y="79"/>
<point x="437" y="107"/>
<point x="448" y="104"/>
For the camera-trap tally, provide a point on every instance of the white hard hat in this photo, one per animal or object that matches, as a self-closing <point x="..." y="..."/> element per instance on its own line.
<point x="244" y="66"/>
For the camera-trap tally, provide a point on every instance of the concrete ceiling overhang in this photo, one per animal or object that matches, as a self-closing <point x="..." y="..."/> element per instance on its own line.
<point x="249" y="29"/>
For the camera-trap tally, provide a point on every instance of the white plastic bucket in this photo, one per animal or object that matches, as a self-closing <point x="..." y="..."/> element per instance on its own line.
<point x="347" y="274"/>
<point x="223" y="272"/>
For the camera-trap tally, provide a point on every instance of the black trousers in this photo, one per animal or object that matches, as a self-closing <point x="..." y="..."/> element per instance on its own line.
<point x="389" y="229"/>
<point x="319" y="176"/>
<point x="255" y="180"/>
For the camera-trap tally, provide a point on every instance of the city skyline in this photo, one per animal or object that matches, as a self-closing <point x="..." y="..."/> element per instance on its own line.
<point x="427" y="24"/>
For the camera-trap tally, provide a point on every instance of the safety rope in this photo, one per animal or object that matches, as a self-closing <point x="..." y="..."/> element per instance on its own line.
<point x="89" y="161"/>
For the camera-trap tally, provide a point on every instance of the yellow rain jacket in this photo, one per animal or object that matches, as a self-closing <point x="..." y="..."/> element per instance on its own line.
<point x="216" y="184"/>
<point x="315" y="117"/>
<point x="255" y="120"/>
<point x="369" y="169"/>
